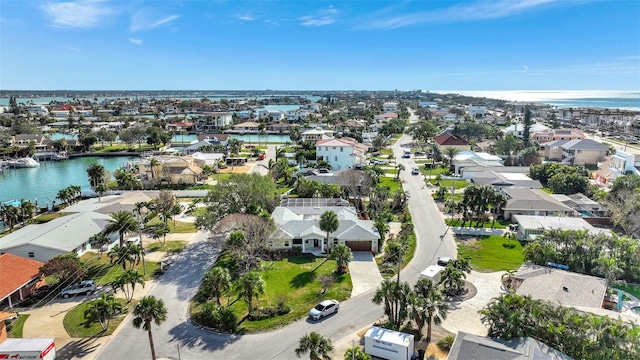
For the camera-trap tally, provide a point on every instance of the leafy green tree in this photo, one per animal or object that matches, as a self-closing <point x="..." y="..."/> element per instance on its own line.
<point x="526" y="131"/>
<point x="329" y="223"/>
<point x="562" y="183"/>
<point x="316" y="345"/>
<point x="121" y="222"/>
<point x="250" y="285"/>
<point x="343" y="256"/>
<point x="102" y="310"/>
<point x="149" y="310"/>
<point x="67" y="267"/>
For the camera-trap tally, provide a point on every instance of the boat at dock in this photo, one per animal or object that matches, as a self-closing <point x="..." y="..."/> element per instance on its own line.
<point x="25" y="162"/>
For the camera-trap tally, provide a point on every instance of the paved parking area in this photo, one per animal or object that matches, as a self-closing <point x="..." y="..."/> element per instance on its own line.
<point x="364" y="272"/>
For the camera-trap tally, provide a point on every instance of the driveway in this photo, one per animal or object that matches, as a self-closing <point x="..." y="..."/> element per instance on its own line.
<point x="364" y="272"/>
<point x="464" y="315"/>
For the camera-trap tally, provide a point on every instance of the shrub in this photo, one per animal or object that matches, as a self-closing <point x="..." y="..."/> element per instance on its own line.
<point x="269" y="312"/>
<point x="445" y="343"/>
<point x="509" y="245"/>
<point x="217" y="317"/>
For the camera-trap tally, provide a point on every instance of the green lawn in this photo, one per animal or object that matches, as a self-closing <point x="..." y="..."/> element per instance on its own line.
<point x="45" y="218"/>
<point x="17" y="326"/>
<point x="77" y="327"/>
<point x="199" y="211"/>
<point x="497" y="225"/>
<point x="459" y="184"/>
<point x="391" y="183"/>
<point x="169" y="246"/>
<point x="292" y="279"/>
<point x="631" y="289"/>
<point x="99" y="268"/>
<point x="488" y="253"/>
<point x="175" y="227"/>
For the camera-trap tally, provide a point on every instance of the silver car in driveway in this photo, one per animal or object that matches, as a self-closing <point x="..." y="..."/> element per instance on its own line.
<point x="323" y="309"/>
<point x="83" y="287"/>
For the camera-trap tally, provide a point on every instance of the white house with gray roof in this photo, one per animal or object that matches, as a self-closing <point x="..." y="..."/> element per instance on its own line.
<point x="298" y="222"/>
<point x="577" y="151"/>
<point x="524" y="201"/>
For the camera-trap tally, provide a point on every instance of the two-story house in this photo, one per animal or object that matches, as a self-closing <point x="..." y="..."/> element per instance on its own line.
<point x="340" y="153"/>
<point x="575" y="152"/>
<point x="390" y="107"/>
<point x="313" y="135"/>
<point x="213" y="122"/>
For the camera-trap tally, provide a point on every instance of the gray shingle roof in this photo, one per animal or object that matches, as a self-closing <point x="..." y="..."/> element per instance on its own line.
<point x="473" y="347"/>
<point x="532" y="199"/>
<point x="584" y="144"/>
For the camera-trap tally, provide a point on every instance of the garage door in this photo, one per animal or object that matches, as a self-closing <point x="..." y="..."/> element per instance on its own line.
<point x="359" y="245"/>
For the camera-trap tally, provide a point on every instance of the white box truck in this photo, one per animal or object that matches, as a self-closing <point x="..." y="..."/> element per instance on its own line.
<point x="388" y="344"/>
<point x="432" y="272"/>
<point x="20" y="349"/>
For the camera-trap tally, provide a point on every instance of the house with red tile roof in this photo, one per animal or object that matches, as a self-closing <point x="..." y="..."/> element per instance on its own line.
<point x="18" y="278"/>
<point x="447" y="140"/>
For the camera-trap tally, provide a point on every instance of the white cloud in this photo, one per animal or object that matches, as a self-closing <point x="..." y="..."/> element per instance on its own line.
<point x="245" y="17"/>
<point x="479" y="10"/>
<point x="323" y="17"/>
<point x="136" y="41"/>
<point x="79" y="14"/>
<point x="140" y="22"/>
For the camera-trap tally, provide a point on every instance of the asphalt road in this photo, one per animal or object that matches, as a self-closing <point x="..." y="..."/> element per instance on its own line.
<point x="178" y="336"/>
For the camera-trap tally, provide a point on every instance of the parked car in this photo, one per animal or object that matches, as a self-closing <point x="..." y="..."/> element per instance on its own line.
<point x="415" y="171"/>
<point x="419" y="153"/>
<point x="83" y="287"/>
<point x="444" y="260"/>
<point x="323" y="309"/>
<point x="379" y="162"/>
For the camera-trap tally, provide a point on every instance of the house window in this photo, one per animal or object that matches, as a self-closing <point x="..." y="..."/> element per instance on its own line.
<point x="286" y="243"/>
<point x="335" y="241"/>
<point x="334" y="147"/>
<point x="341" y="149"/>
<point x="31" y="254"/>
<point x="326" y="148"/>
<point x="297" y="241"/>
<point x="579" y="151"/>
<point x="336" y="158"/>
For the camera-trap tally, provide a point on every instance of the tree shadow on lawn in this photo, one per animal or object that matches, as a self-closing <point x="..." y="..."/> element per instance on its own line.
<point x="78" y="348"/>
<point x="302" y="259"/>
<point x="302" y="279"/>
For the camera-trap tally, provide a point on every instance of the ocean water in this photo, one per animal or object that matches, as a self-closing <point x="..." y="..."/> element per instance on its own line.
<point x="616" y="99"/>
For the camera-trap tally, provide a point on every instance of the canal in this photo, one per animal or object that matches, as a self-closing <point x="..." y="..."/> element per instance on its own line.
<point x="43" y="183"/>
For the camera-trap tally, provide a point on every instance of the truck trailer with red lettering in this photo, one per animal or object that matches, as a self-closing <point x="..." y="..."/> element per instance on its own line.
<point x="388" y="344"/>
<point x="28" y="349"/>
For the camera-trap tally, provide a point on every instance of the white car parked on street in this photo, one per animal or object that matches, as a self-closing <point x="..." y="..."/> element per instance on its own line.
<point x="323" y="309"/>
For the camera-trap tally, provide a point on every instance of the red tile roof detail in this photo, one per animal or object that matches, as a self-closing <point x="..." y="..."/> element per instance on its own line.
<point x="16" y="271"/>
<point x="449" y="140"/>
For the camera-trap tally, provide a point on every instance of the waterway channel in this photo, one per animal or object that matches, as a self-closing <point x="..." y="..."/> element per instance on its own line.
<point x="42" y="184"/>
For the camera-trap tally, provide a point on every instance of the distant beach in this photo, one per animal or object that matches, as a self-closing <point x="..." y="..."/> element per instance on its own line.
<point x="615" y="99"/>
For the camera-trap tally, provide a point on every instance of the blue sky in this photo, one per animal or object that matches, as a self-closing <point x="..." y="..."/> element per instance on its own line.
<point x="305" y="45"/>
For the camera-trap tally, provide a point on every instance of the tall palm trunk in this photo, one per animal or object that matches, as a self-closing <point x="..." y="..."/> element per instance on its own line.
<point x="153" y="350"/>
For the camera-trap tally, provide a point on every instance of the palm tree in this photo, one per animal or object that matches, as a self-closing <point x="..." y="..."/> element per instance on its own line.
<point x="329" y="223"/>
<point x="153" y="165"/>
<point x="121" y="255"/>
<point x="400" y="168"/>
<point x="396" y="300"/>
<point x="102" y="310"/>
<point x="101" y="189"/>
<point x="127" y="282"/>
<point x="428" y="306"/>
<point x="27" y="210"/>
<point x="316" y="345"/>
<point x="356" y="353"/>
<point x="250" y="285"/>
<point x="99" y="240"/>
<point x="149" y="310"/>
<point x="342" y="255"/>
<point x="97" y="174"/>
<point x="215" y="283"/>
<point x="450" y="153"/>
<point x="121" y="222"/>
<point x="11" y="215"/>
<point x="451" y="280"/>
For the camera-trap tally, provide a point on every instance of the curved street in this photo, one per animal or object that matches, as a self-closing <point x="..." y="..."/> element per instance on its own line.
<point x="178" y="338"/>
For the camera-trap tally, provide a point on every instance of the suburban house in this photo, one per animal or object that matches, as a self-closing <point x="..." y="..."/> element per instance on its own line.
<point x="468" y="158"/>
<point x="297" y="115"/>
<point x="523" y="201"/>
<point x="582" y="204"/>
<point x="170" y="169"/>
<point x="313" y="135"/>
<point x="19" y="277"/>
<point x="385" y="117"/>
<point x="23" y="140"/>
<point x="271" y="115"/>
<point x="531" y="226"/>
<point x="473" y="347"/>
<point x="476" y="111"/>
<point x="560" y="287"/>
<point x="298" y="221"/>
<point x="499" y="179"/>
<point x="340" y="153"/>
<point x="213" y="122"/>
<point x="447" y="140"/>
<point x="625" y="163"/>
<point x="390" y="107"/>
<point x="196" y="147"/>
<point x="578" y="152"/>
<point x="557" y="134"/>
<point x="211" y="159"/>
<point x="67" y="234"/>
<point x="517" y="130"/>
<point x="247" y="126"/>
<point x="215" y="138"/>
